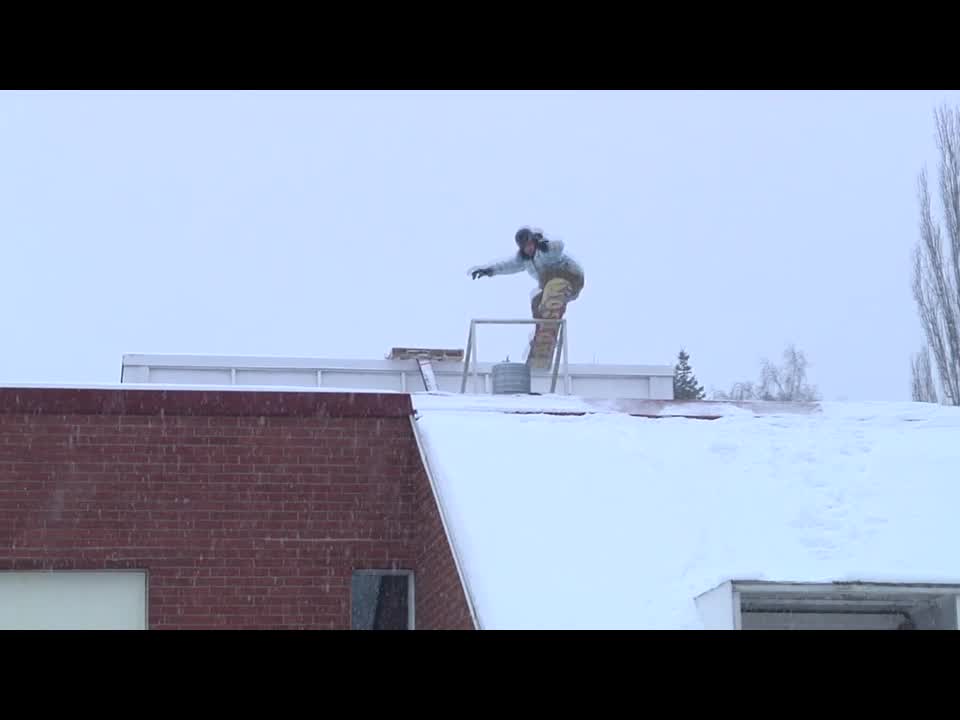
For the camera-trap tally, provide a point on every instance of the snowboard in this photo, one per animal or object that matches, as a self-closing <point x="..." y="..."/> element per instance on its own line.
<point x="553" y="304"/>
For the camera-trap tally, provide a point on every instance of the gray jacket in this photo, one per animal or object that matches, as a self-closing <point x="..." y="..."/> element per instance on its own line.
<point x="544" y="264"/>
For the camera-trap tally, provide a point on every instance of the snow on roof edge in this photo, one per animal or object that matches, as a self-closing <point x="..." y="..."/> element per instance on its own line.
<point x="569" y="404"/>
<point x="196" y="387"/>
<point x="837" y="493"/>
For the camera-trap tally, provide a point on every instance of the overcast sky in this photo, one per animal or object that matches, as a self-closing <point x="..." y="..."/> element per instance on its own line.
<point x="340" y="224"/>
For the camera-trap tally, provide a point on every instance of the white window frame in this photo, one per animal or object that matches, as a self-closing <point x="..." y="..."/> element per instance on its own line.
<point x="722" y="607"/>
<point x="411" y="593"/>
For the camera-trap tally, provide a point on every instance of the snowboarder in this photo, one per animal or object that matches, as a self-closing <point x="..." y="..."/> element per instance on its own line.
<point x="543" y="259"/>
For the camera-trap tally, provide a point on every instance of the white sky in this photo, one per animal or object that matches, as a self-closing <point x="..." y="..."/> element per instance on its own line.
<point x="340" y="224"/>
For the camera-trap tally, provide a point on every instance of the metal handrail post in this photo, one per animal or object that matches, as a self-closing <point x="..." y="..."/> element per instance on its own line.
<point x="561" y="336"/>
<point x="466" y="358"/>
<point x="476" y="363"/>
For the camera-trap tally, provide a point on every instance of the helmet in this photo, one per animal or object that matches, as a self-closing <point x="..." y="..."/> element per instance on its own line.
<point x="524" y="234"/>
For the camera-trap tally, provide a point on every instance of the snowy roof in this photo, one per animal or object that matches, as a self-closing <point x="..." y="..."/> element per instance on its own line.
<point x="607" y="520"/>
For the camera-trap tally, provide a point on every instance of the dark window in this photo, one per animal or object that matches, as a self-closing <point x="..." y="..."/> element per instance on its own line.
<point x="380" y="601"/>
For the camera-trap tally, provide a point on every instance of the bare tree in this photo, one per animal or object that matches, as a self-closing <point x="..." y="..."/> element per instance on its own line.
<point x="923" y="388"/>
<point x="936" y="270"/>
<point x="738" y="392"/>
<point x="787" y="383"/>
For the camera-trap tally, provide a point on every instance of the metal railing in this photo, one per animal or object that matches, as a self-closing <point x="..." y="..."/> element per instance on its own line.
<point x="560" y="349"/>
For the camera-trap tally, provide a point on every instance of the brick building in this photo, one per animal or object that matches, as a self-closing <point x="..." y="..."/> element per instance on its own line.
<point x="234" y="509"/>
<point x="147" y="505"/>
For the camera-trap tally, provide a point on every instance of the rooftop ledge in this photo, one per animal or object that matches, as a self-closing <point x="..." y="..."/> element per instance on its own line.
<point x="156" y="399"/>
<point x="261" y="362"/>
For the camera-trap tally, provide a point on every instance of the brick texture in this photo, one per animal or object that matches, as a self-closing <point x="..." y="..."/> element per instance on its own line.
<point x="440" y="598"/>
<point x="247" y="509"/>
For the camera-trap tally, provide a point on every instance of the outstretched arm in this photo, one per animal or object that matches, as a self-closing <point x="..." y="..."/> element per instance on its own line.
<point x="502" y="267"/>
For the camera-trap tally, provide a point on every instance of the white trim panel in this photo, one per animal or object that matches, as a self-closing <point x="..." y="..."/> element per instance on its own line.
<point x="73" y="600"/>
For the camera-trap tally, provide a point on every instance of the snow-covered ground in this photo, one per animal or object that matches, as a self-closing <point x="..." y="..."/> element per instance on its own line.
<point x="609" y="521"/>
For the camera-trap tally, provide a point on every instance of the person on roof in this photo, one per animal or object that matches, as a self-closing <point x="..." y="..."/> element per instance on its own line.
<point x="543" y="260"/>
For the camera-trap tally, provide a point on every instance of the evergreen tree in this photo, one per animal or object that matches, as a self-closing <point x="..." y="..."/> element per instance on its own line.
<point x="685" y="385"/>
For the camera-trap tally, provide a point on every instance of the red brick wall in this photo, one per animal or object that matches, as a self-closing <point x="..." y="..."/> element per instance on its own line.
<point x="440" y="598"/>
<point x="247" y="509"/>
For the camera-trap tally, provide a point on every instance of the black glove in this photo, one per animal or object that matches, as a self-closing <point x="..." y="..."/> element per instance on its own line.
<point x="482" y="272"/>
